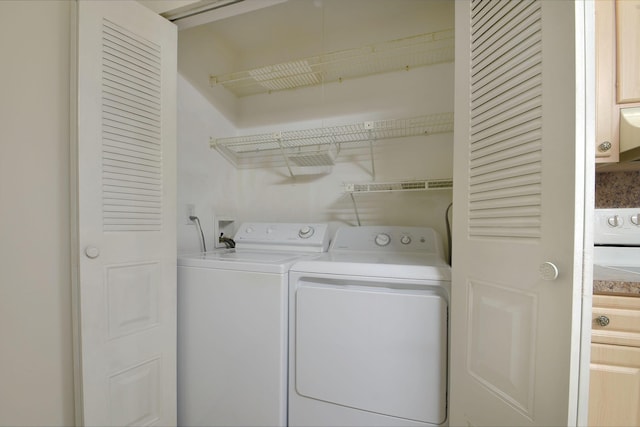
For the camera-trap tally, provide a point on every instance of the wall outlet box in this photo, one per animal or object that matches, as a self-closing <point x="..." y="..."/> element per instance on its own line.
<point x="191" y="211"/>
<point x="225" y="225"/>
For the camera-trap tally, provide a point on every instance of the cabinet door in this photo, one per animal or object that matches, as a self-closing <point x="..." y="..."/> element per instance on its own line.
<point x="628" y="39"/>
<point x="607" y="146"/>
<point x="614" y="390"/>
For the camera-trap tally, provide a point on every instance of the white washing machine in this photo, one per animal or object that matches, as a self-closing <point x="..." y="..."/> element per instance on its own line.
<point x="368" y="327"/>
<point x="232" y="326"/>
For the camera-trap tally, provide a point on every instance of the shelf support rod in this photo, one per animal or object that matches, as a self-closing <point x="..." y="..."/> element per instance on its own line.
<point x="355" y="208"/>
<point x="278" y="137"/>
<point x="369" y="127"/>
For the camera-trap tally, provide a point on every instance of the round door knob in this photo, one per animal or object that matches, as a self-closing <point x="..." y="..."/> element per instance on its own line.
<point x="602" y="320"/>
<point x="548" y="271"/>
<point x="605" y="146"/>
<point x="92" y="252"/>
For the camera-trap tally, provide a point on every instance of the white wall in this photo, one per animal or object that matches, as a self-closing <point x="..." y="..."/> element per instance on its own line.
<point x="205" y="179"/>
<point x="36" y="371"/>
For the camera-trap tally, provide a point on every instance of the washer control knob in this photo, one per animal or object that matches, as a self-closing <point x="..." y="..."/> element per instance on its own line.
<point x="382" y="239"/>
<point x="249" y="230"/>
<point x="614" y="221"/>
<point x="405" y="240"/>
<point x="306" y="232"/>
<point x="635" y="219"/>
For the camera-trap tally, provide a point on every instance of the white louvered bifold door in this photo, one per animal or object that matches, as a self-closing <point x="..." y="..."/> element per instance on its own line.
<point x="519" y="203"/>
<point x="125" y="247"/>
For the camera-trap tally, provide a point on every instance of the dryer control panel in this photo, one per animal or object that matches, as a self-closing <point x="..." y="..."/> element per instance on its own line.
<point x="388" y="239"/>
<point x="305" y="237"/>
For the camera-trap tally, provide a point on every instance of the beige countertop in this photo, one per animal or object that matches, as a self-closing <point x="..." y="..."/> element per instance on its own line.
<point x="616" y="280"/>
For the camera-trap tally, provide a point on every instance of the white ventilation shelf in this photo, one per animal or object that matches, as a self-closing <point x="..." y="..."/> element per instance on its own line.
<point x="412" y="185"/>
<point x="394" y="55"/>
<point x="320" y="147"/>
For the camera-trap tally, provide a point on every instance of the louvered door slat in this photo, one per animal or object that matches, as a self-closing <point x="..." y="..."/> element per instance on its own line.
<point x="482" y="11"/>
<point x="125" y="77"/>
<point x="117" y="50"/>
<point x="514" y="84"/>
<point x="513" y="67"/>
<point x="522" y="133"/>
<point x="497" y="28"/>
<point x="503" y="115"/>
<point x="131" y="149"/>
<point x="113" y="133"/>
<point x="111" y="92"/>
<point x="506" y="92"/>
<point x="123" y="106"/>
<point x="144" y="52"/>
<point x="524" y="142"/>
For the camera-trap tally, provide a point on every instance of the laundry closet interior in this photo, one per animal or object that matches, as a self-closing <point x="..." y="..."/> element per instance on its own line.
<point x="316" y="111"/>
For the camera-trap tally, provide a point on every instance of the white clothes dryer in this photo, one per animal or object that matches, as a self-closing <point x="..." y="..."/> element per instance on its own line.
<point x="368" y="328"/>
<point x="232" y="326"/>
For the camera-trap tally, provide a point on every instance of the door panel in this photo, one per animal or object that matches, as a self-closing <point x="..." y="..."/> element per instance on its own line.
<point x="502" y="350"/>
<point x="132" y="298"/>
<point x="519" y="204"/>
<point x="125" y="283"/>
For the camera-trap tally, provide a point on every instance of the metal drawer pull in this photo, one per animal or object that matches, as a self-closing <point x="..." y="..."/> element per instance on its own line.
<point x="605" y="146"/>
<point x="602" y="320"/>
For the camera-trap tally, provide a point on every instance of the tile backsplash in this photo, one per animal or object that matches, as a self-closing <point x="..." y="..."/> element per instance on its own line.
<point x="618" y="189"/>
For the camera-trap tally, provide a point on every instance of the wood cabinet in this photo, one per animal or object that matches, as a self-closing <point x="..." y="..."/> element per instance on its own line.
<point x="617" y="76"/>
<point x="628" y="48"/>
<point x="607" y="147"/>
<point x="614" y="390"/>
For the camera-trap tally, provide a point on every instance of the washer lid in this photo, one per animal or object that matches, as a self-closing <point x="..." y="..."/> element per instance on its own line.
<point x="244" y="260"/>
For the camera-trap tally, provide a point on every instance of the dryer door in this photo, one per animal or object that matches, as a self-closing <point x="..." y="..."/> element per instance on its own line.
<point x="372" y="346"/>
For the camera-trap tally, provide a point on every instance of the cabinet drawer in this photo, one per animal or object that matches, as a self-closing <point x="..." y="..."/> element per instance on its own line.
<point x="614" y="386"/>
<point x="623" y="316"/>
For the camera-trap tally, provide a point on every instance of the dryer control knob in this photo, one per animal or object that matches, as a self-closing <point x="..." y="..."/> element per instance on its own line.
<point x="635" y="219"/>
<point x="306" y="232"/>
<point x="382" y="239"/>
<point x="405" y="240"/>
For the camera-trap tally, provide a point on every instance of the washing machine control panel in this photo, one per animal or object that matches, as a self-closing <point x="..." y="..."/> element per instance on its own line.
<point x="387" y="239"/>
<point x="308" y="237"/>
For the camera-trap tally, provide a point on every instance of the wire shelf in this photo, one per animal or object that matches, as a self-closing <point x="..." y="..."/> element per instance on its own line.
<point x="400" y="54"/>
<point x="413" y="185"/>
<point x="321" y="146"/>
